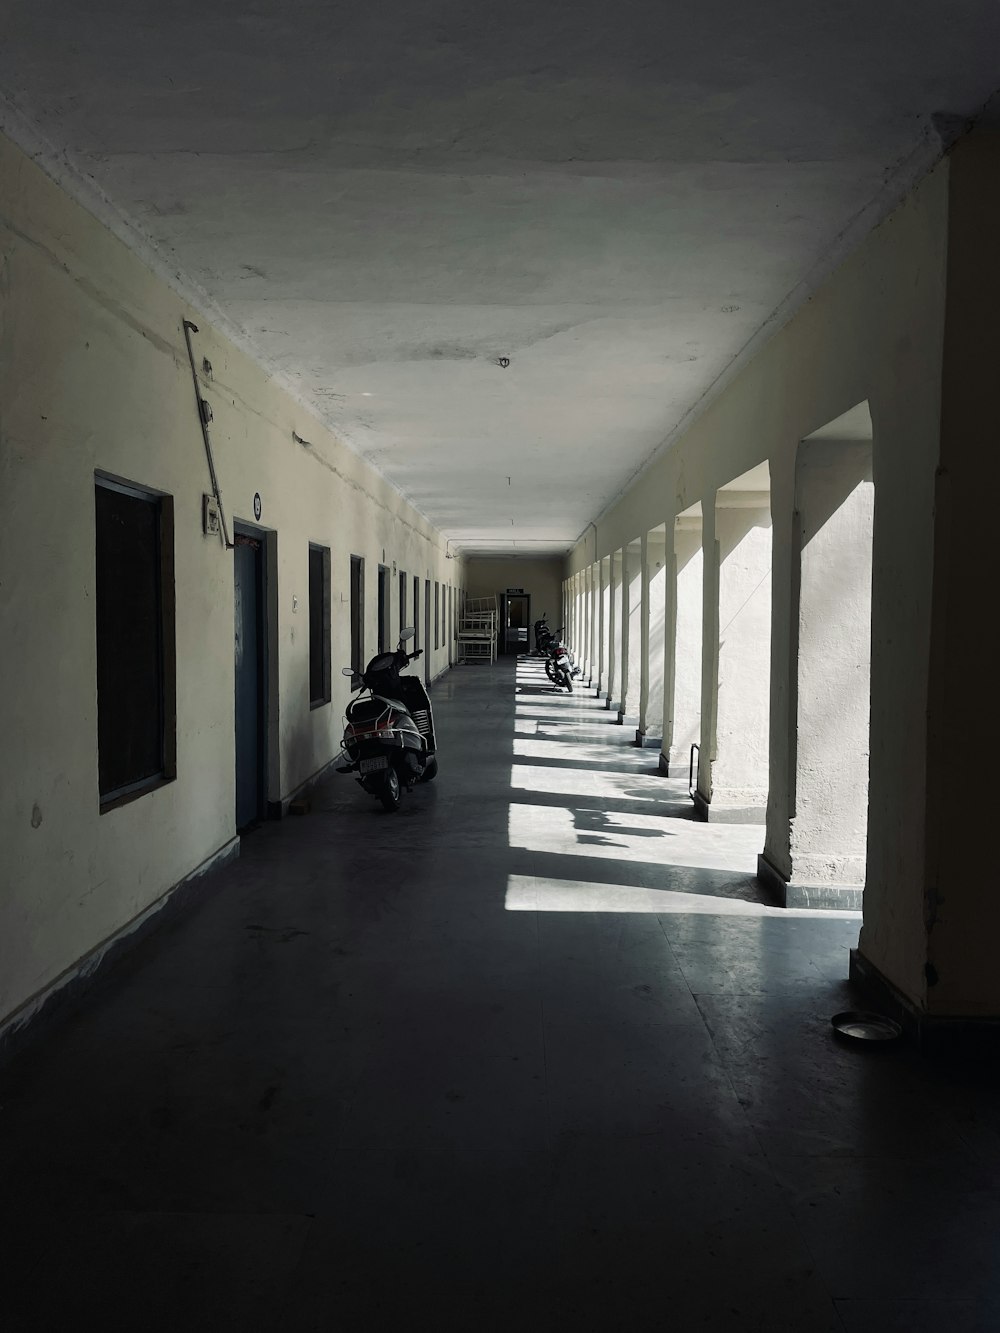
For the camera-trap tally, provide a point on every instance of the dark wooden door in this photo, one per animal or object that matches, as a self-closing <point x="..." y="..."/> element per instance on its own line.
<point x="250" y="734"/>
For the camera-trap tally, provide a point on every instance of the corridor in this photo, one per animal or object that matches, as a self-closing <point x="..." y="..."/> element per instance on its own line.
<point x="532" y="1054"/>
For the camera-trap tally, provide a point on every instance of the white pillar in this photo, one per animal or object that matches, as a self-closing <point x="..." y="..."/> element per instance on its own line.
<point x="593" y="648"/>
<point x="604" y="623"/>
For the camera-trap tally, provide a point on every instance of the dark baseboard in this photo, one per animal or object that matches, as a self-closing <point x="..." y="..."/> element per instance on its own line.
<point x="34" y="1019"/>
<point x="304" y="788"/>
<point x="949" y="1036"/>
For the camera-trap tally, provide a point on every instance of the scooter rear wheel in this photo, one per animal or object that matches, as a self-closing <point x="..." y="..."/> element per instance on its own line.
<point x="391" y="791"/>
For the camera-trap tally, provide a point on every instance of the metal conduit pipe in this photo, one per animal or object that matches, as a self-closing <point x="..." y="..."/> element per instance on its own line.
<point x="204" y="416"/>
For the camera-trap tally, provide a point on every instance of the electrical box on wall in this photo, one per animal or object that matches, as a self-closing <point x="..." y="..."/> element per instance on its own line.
<point x="210" y="520"/>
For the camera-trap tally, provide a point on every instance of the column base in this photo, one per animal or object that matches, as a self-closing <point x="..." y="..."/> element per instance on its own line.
<point x="967" y="1038"/>
<point x="714" y="813"/>
<point x="645" y="741"/>
<point x="625" y="720"/>
<point x="821" y="897"/>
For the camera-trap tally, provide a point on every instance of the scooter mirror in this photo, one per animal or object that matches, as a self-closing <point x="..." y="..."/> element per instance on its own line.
<point x="347" y="671"/>
<point x="407" y="633"/>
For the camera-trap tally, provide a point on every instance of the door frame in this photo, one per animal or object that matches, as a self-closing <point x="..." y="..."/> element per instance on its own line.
<point x="383" y="609"/>
<point x="427" y="620"/>
<point x="269" y="757"/>
<point x="502" y="627"/>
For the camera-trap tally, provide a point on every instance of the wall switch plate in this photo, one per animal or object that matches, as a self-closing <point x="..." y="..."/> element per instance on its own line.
<point x="210" y="516"/>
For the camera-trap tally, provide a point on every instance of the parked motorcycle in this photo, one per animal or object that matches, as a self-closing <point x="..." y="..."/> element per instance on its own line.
<point x="389" y="733"/>
<point x="543" y="635"/>
<point x="560" y="664"/>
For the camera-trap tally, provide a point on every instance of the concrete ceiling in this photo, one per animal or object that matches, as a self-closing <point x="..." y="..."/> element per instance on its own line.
<point x="385" y="199"/>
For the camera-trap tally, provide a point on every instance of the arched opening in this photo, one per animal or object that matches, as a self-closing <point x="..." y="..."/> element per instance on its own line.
<point x="655" y="574"/>
<point x="615" y="635"/>
<point x="683" y="729"/>
<point x="733" y="782"/>
<point x="628" y="709"/>
<point x="835" y="505"/>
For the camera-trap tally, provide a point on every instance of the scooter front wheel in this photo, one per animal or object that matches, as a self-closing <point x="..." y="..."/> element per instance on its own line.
<point x="391" y="791"/>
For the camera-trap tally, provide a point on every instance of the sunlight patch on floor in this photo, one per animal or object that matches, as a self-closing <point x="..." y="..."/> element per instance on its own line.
<point x="582" y="751"/>
<point x="584" y="782"/>
<point x="631" y="837"/>
<point x="528" y="893"/>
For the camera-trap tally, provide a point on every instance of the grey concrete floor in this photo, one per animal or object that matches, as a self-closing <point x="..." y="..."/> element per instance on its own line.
<point x="532" y="1053"/>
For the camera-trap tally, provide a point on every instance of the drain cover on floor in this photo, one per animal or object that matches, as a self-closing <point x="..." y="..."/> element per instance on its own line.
<point x="859" y="1025"/>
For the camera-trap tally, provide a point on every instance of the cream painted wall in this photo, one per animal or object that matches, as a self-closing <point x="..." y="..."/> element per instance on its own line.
<point x="487" y="576"/>
<point x="94" y="375"/>
<point x="873" y="331"/>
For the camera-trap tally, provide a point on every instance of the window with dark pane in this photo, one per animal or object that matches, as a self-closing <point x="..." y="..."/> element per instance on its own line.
<point x="134" y="748"/>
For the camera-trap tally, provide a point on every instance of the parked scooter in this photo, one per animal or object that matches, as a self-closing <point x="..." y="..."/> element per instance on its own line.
<point x="554" y="641"/>
<point x="389" y="734"/>
<point x="543" y="635"/>
<point x="560" y="664"/>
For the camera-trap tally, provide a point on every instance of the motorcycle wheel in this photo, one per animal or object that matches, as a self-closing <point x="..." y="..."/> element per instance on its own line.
<point x="550" y="670"/>
<point x="390" y="792"/>
<point x="430" y="771"/>
<point x="568" y="682"/>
